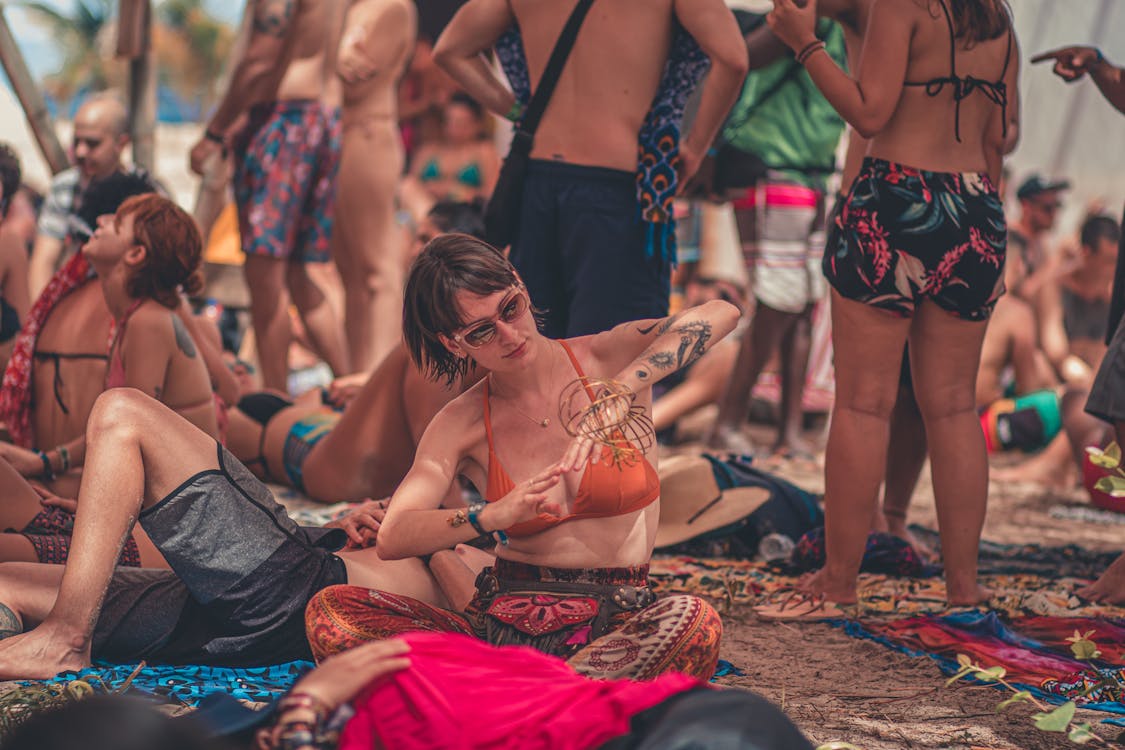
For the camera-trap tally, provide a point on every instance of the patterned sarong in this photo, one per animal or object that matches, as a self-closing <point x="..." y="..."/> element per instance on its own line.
<point x="601" y="620"/>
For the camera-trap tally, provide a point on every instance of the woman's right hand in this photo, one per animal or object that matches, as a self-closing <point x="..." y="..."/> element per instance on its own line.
<point x="526" y="501"/>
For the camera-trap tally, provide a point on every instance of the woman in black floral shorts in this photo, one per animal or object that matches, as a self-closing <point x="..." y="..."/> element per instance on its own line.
<point x="916" y="254"/>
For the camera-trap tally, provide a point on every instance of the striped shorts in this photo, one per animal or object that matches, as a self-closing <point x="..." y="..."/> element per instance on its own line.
<point x="785" y="243"/>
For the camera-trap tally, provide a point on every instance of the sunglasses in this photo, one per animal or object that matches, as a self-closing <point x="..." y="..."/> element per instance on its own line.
<point x="1049" y="206"/>
<point x="514" y="307"/>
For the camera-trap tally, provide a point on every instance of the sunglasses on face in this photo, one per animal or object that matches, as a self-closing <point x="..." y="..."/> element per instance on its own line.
<point x="513" y="308"/>
<point x="1049" y="207"/>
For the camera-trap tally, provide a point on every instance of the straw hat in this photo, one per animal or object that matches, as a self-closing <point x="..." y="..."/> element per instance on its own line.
<point x="691" y="502"/>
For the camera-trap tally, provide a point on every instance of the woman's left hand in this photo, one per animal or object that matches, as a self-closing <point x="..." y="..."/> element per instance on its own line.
<point x="341" y="677"/>
<point x="793" y="24"/>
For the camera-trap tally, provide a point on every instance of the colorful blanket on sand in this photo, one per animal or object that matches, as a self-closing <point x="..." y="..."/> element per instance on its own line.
<point x="1032" y="650"/>
<point x="187" y="685"/>
<point x="1032" y="612"/>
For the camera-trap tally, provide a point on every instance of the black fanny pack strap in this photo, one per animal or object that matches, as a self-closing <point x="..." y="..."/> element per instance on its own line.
<point x="538" y="104"/>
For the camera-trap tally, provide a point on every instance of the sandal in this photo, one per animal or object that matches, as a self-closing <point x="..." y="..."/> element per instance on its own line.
<point x="802" y="607"/>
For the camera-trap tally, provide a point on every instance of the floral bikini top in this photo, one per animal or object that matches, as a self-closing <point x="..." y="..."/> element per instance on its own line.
<point x="608" y="488"/>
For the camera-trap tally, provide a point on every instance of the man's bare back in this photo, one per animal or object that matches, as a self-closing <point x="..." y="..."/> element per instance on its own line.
<point x="609" y="80"/>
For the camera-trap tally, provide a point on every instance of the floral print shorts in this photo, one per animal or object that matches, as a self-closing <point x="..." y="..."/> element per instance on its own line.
<point x="286" y="160"/>
<point x="905" y="234"/>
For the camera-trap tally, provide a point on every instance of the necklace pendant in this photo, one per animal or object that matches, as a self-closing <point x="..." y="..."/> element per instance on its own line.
<point x="545" y="423"/>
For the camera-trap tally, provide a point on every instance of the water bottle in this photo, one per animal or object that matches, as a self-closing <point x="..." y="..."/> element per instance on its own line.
<point x="775" y="546"/>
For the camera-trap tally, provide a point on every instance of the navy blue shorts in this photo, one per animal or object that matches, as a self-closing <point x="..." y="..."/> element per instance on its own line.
<point x="580" y="250"/>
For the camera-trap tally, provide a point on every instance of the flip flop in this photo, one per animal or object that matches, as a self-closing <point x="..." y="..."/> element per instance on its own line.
<point x="806" y="608"/>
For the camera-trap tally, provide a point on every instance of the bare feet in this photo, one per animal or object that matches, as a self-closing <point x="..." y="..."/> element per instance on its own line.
<point x="1110" y="586"/>
<point x="42" y="653"/>
<point x="819" y="582"/>
<point x="897" y="527"/>
<point x="795" y="446"/>
<point x="730" y="440"/>
<point x="968" y="595"/>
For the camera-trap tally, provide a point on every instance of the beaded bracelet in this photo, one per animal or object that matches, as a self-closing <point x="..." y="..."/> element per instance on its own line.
<point x="808" y="51"/>
<point x="48" y="471"/>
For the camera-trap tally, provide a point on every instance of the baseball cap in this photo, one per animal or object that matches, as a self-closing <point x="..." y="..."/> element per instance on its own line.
<point x="1036" y="184"/>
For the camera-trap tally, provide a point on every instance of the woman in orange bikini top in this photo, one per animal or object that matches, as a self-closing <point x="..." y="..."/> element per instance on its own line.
<point x="553" y="498"/>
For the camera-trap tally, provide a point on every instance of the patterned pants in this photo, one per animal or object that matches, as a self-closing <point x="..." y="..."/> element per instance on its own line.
<point x="674" y="634"/>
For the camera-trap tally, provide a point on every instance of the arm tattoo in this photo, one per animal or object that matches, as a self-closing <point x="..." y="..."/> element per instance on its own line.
<point x="273" y="17"/>
<point x="183" y="338"/>
<point x="661" y="326"/>
<point x="693" y="342"/>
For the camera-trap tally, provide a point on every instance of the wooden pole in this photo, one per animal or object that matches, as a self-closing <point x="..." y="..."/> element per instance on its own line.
<point x="32" y="102"/>
<point x="134" y="40"/>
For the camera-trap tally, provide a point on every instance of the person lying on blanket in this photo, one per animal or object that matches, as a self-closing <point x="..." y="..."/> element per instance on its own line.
<point x="391" y="685"/>
<point x="241" y="570"/>
<point x="574" y="521"/>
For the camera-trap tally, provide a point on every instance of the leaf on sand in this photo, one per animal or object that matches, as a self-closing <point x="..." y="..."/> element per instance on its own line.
<point x="1020" y="695"/>
<point x="1057" y="720"/>
<point x="1080" y="734"/>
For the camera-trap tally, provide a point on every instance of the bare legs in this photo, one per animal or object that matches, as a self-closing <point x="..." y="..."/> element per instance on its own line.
<point x="372" y="438"/>
<point x="906" y="455"/>
<point x="945" y="352"/>
<point x="367" y="248"/>
<point x="139" y="451"/>
<point x="944" y="356"/>
<point x="271" y="282"/>
<point x="769" y="331"/>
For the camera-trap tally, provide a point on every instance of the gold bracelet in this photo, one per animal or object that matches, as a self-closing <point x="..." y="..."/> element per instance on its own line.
<point x="457" y="519"/>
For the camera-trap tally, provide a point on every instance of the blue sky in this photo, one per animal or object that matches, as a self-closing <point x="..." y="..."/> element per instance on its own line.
<point x="42" y="52"/>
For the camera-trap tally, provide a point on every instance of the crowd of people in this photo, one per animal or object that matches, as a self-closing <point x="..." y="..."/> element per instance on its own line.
<point x="494" y="411"/>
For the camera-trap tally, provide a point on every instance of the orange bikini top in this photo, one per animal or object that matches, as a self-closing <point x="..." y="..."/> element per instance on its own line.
<point x="607" y="488"/>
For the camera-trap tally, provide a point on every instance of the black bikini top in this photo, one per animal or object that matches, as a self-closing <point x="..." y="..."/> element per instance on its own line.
<point x="964" y="85"/>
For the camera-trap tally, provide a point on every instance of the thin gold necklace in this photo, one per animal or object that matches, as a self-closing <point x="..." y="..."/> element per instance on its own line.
<point x="545" y="422"/>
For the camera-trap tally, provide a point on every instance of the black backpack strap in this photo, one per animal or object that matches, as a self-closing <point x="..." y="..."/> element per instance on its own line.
<point x="538" y="104"/>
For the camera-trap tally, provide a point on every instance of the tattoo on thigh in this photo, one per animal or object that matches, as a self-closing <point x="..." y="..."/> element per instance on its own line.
<point x="10" y="623"/>
<point x="272" y="17"/>
<point x="183" y="338"/>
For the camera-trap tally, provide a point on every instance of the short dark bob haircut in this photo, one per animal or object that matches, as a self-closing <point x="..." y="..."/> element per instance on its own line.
<point x="450" y="263"/>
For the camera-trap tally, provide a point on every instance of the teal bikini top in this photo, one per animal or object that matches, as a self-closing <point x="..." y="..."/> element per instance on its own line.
<point x="469" y="175"/>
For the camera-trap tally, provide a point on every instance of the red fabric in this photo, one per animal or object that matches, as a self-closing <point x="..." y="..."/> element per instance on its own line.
<point x="462" y="694"/>
<point x="15" y="392"/>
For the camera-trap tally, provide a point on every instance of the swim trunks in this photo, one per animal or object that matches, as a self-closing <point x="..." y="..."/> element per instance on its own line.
<point x="286" y="162"/>
<point x="581" y="250"/>
<point x="242" y="573"/>
<point x="781" y="244"/>
<point x="906" y="234"/>
<point x="303" y="435"/>
<point x="1024" y="423"/>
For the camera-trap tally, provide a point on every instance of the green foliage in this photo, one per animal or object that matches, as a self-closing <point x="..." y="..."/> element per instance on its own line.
<point x="1048" y="719"/>
<point x="1057" y="720"/>
<point x="80" y="35"/>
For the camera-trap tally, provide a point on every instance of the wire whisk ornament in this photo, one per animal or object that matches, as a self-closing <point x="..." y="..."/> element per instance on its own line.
<point x="606" y="412"/>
